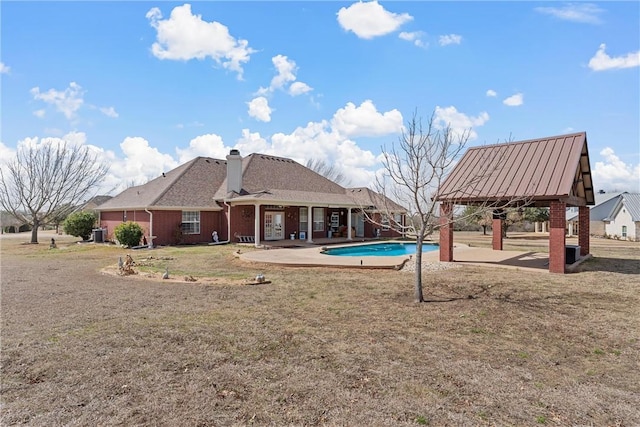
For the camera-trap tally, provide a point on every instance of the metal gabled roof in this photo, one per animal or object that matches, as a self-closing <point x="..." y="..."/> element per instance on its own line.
<point x="542" y="170"/>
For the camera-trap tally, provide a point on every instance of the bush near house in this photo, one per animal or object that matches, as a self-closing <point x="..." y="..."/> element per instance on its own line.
<point x="79" y="224"/>
<point x="128" y="233"/>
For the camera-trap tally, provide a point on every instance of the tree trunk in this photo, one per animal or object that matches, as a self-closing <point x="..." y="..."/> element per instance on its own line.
<point x="418" y="279"/>
<point x="484" y="230"/>
<point x="34" y="231"/>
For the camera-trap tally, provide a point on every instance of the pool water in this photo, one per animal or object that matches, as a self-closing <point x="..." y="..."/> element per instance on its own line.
<point x="380" y="249"/>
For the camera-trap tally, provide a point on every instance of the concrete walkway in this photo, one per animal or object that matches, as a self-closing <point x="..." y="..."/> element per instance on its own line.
<point x="313" y="257"/>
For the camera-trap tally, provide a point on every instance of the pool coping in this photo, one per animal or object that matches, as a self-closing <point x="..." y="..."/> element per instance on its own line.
<point x="313" y="257"/>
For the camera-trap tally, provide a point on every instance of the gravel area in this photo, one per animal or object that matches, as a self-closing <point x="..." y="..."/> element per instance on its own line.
<point x="410" y="266"/>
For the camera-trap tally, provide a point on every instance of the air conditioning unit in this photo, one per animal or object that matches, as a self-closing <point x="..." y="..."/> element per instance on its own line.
<point x="571" y="254"/>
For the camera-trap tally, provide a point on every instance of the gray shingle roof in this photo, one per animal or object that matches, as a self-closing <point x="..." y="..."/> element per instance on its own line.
<point x="192" y="184"/>
<point x="202" y="183"/>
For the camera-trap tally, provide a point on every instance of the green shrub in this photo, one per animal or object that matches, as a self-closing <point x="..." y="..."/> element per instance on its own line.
<point x="80" y="224"/>
<point x="129" y="233"/>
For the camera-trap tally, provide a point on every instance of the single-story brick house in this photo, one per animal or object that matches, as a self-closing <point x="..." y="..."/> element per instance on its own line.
<point x="257" y="198"/>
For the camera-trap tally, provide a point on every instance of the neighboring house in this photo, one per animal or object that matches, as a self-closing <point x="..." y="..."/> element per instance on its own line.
<point x="255" y="198"/>
<point x="596" y="227"/>
<point x="607" y="217"/>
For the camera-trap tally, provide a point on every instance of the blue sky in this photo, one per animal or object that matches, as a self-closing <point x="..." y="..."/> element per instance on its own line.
<point x="151" y="85"/>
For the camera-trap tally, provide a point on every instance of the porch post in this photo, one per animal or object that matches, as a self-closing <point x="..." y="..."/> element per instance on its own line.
<point x="496" y="226"/>
<point x="256" y="225"/>
<point x="349" y="236"/>
<point x="309" y="224"/>
<point x="583" y="230"/>
<point x="557" y="238"/>
<point x="446" y="232"/>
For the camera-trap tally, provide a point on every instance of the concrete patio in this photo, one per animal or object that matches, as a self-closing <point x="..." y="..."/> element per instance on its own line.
<point x="312" y="256"/>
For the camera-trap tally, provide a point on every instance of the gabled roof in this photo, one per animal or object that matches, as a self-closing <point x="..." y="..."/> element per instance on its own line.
<point x="540" y="170"/>
<point x="202" y="184"/>
<point x="264" y="173"/>
<point x="630" y="201"/>
<point x="191" y="185"/>
<point x="367" y="198"/>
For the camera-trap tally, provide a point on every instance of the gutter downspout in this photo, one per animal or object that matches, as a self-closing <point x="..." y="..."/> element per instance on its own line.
<point x="150" y="227"/>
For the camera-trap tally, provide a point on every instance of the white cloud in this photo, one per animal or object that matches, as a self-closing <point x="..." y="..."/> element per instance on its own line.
<point x="109" y="112"/>
<point x="365" y="120"/>
<point x="613" y="174"/>
<point x="330" y="140"/>
<point x="587" y="13"/>
<point x="185" y="36"/>
<point x="449" y="39"/>
<point x="141" y="163"/>
<point x="415" y="37"/>
<point x="492" y="93"/>
<point x="286" y="71"/>
<point x="6" y="153"/>
<point x="514" y="100"/>
<point x="39" y="113"/>
<point x="68" y="101"/>
<point x="259" y="109"/>
<point x="299" y="88"/>
<point x="4" y="69"/>
<point x="369" y="19"/>
<point x="208" y="145"/>
<point x="601" y="61"/>
<point x="459" y="122"/>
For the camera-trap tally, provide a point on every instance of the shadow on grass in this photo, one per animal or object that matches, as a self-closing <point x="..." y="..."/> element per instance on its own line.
<point x="612" y="265"/>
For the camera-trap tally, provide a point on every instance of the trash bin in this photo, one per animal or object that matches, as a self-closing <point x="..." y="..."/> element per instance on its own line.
<point x="571" y="254"/>
<point x="98" y="235"/>
<point x="303" y="235"/>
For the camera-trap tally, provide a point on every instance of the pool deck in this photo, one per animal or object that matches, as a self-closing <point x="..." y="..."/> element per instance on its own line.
<point x="312" y="256"/>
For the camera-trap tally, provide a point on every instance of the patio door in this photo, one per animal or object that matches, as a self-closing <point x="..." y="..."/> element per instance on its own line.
<point x="273" y="225"/>
<point x="357" y="222"/>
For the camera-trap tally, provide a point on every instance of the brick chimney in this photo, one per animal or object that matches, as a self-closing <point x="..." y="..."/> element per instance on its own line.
<point x="234" y="171"/>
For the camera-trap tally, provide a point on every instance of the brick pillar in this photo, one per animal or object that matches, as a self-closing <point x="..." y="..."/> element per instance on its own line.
<point x="557" y="237"/>
<point x="498" y="218"/>
<point x="583" y="230"/>
<point x="496" y="225"/>
<point x="446" y="232"/>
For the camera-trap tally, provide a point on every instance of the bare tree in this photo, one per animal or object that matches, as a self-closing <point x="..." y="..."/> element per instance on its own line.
<point x="44" y="180"/>
<point x="414" y="170"/>
<point x="328" y="171"/>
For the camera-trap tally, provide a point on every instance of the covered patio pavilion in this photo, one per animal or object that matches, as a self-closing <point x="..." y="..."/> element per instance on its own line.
<point x="552" y="172"/>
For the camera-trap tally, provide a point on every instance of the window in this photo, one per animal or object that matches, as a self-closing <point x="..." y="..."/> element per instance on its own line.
<point x="304" y="219"/>
<point x="191" y="222"/>
<point x="318" y="219"/>
<point x="385" y="222"/>
<point x="624" y="231"/>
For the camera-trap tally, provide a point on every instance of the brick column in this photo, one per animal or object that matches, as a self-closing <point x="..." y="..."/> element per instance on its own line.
<point x="496" y="225"/>
<point x="583" y="230"/>
<point x="557" y="238"/>
<point x="446" y="232"/>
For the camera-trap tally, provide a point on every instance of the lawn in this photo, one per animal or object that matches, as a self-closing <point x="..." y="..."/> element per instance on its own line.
<point x="316" y="346"/>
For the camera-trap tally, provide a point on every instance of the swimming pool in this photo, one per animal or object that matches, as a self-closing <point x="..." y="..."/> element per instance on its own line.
<point x="380" y="249"/>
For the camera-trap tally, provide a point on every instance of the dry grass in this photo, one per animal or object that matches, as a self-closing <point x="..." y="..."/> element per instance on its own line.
<point x="318" y="346"/>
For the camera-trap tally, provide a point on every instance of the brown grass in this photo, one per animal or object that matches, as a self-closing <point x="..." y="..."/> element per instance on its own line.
<point x="317" y="346"/>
